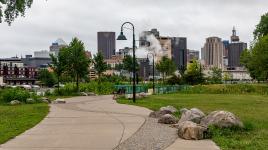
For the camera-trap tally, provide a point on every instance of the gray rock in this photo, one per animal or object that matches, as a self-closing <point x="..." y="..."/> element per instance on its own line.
<point x="194" y="115"/>
<point x="91" y="94"/>
<point x="30" y="101"/>
<point x="45" y="100"/>
<point x="167" y="119"/>
<point x="169" y="108"/>
<point x="59" y="101"/>
<point x="83" y="94"/>
<point x="191" y="131"/>
<point x="15" y="102"/>
<point x="158" y="114"/>
<point x="222" y="119"/>
<point x="183" y="110"/>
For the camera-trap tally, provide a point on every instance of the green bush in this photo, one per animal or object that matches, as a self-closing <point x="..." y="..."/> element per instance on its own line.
<point x="228" y="89"/>
<point x="14" y="94"/>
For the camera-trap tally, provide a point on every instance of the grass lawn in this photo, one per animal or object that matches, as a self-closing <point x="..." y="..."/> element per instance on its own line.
<point x="251" y="109"/>
<point x="14" y="120"/>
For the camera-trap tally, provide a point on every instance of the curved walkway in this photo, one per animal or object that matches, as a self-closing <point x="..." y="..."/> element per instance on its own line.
<point x="99" y="123"/>
<point x="95" y="123"/>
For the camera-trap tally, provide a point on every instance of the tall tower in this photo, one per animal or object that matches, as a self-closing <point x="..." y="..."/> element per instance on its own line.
<point x="234" y="37"/>
<point x="106" y="44"/>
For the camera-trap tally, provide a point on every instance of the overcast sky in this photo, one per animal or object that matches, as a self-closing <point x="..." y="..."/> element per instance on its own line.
<point x="195" y="19"/>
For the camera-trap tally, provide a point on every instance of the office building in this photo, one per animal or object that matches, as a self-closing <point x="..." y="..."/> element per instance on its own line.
<point x="43" y="54"/>
<point x="144" y="35"/>
<point x="106" y="44"/>
<point x="212" y="52"/>
<point x="179" y="52"/>
<point x="192" y="54"/>
<point x="235" y="49"/>
<point x="57" y="45"/>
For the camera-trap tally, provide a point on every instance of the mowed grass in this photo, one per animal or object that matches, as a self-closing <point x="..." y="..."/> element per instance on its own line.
<point x="14" y="120"/>
<point x="251" y="109"/>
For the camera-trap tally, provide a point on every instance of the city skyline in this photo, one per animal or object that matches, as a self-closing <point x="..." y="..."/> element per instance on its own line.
<point x="47" y="20"/>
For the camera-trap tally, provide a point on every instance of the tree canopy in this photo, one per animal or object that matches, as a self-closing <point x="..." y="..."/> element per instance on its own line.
<point x="166" y="66"/>
<point x="99" y="64"/>
<point x="11" y="9"/>
<point x="262" y="28"/>
<point x="194" y="74"/>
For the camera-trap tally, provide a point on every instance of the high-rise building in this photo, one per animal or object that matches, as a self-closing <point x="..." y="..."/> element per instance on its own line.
<point x="192" y="54"/>
<point x="57" y="45"/>
<point x="235" y="48"/>
<point x="106" y="44"/>
<point x="179" y="51"/>
<point x="212" y="52"/>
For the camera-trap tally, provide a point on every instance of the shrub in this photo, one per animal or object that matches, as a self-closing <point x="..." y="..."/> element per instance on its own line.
<point x="15" y="94"/>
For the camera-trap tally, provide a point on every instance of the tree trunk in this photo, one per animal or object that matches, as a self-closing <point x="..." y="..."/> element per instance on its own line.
<point x="77" y="82"/>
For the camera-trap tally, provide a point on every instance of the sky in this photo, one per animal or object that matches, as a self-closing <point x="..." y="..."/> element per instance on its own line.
<point x="48" y="20"/>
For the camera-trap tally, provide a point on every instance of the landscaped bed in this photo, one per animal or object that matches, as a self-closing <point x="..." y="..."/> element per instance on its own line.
<point x="251" y="109"/>
<point x="14" y="120"/>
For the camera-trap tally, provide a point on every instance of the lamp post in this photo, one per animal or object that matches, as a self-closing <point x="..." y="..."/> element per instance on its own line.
<point x="123" y="37"/>
<point x="153" y="71"/>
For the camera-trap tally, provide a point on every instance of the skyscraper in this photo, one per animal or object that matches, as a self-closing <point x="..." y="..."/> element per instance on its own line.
<point x="212" y="52"/>
<point x="235" y="49"/>
<point x="106" y="44"/>
<point x="179" y="51"/>
<point x="57" y="45"/>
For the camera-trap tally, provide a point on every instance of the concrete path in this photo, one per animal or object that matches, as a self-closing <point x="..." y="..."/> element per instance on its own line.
<point x="84" y="123"/>
<point x="91" y="123"/>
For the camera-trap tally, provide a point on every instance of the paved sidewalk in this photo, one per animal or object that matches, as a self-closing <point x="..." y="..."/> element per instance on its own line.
<point x="181" y="144"/>
<point x="84" y="123"/>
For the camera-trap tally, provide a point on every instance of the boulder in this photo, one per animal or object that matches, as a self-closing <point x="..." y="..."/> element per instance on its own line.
<point x="30" y="101"/>
<point x="183" y="110"/>
<point x="45" y="100"/>
<point x="191" y="131"/>
<point x="158" y="114"/>
<point x="169" y="108"/>
<point x="59" y="101"/>
<point x="91" y="94"/>
<point x="194" y="115"/>
<point x="83" y="94"/>
<point x="167" y="119"/>
<point x="222" y="119"/>
<point x="15" y="102"/>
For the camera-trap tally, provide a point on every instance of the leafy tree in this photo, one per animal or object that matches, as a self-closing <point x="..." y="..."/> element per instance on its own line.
<point x="262" y="28"/>
<point x="256" y="59"/>
<point x="194" y="74"/>
<point x="174" y="80"/>
<point x="166" y="67"/>
<point x="13" y="9"/>
<point x="76" y="62"/>
<point x="128" y="64"/>
<point x="227" y="77"/>
<point x="215" y="75"/>
<point x="47" y="78"/>
<point x="99" y="64"/>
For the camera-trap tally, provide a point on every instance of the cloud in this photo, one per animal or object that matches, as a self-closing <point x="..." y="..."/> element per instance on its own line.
<point x="195" y="19"/>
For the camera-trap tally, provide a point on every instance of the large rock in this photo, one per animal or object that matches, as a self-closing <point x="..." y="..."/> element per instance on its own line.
<point x="45" y="100"/>
<point x="169" y="108"/>
<point x="59" y="101"/>
<point x="191" y="131"/>
<point x="195" y="115"/>
<point x="30" y="101"/>
<point x="167" y="119"/>
<point x="83" y="94"/>
<point x="91" y="94"/>
<point x="160" y="113"/>
<point x="15" y="102"/>
<point x="222" y="119"/>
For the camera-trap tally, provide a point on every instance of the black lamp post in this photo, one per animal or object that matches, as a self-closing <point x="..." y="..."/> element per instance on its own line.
<point x="123" y="37"/>
<point x="153" y="71"/>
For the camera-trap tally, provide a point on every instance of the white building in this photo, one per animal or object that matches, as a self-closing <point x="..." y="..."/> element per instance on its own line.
<point x="43" y="54"/>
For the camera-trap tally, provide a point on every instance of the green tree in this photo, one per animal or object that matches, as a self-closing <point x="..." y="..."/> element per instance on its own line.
<point x="11" y="9"/>
<point x="166" y="67"/>
<point x="99" y="64"/>
<point x="262" y="28"/>
<point x="47" y="78"/>
<point x="128" y="64"/>
<point x="194" y="74"/>
<point x="75" y="60"/>
<point x="215" y="75"/>
<point x="256" y="59"/>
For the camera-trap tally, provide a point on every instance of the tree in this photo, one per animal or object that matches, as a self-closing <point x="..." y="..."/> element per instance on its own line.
<point x="262" y="28"/>
<point x="58" y="66"/>
<point x="47" y="78"/>
<point x="166" y="67"/>
<point x="13" y="9"/>
<point x="128" y="64"/>
<point x="76" y="62"/>
<point x="194" y="74"/>
<point x="256" y="59"/>
<point x="99" y="64"/>
<point x="215" y="75"/>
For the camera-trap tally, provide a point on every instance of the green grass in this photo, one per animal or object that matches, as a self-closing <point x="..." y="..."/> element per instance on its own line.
<point x="14" y="120"/>
<point x="251" y="109"/>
